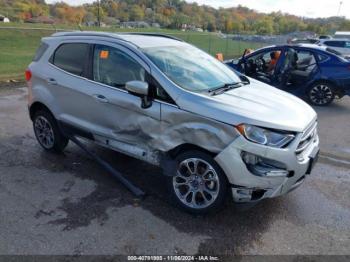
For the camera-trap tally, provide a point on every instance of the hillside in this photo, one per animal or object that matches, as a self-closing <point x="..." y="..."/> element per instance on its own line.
<point x="173" y="14"/>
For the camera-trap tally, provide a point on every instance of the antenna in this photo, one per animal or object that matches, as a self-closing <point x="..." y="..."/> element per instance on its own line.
<point x="340" y="4"/>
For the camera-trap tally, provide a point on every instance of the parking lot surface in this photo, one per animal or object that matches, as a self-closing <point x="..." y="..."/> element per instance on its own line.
<point x="67" y="204"/>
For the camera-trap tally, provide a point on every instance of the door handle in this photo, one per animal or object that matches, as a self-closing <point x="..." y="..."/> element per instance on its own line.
<point x="100" y="98"/>
<point x="51" y="81"/>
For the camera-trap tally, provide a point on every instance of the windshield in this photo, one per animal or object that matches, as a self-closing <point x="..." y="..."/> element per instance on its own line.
<point x="191" y="68"/>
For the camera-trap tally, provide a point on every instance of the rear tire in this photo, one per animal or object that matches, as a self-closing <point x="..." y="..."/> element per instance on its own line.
<point x="199" y="185"/>
<point x="321" y="94"/>
<point x="48" y="133"/>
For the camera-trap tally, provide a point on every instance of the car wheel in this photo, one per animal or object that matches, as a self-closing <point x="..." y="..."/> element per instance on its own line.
<point x="199" y="185"/>
<point x="321" y="94"/>
<point x="48" y="133"/>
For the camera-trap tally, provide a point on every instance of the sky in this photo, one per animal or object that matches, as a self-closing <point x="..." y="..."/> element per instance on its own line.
<point x="306" y="8"/>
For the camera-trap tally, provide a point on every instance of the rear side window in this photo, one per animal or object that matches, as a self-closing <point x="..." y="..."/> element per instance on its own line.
<point x="335" y="43"/>
<point x="71" y="57"/>
<point x="40" y="51"/>
<point x="305" y="58"/>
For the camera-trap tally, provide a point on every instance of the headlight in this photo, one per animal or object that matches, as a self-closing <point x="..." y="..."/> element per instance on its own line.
<point x="264" y="136"/>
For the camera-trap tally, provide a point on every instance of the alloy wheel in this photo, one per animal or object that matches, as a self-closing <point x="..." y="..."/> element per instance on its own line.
<point x="321" y="94"/>
<point x="44" y="132"/>
<point x="196" y="183"/>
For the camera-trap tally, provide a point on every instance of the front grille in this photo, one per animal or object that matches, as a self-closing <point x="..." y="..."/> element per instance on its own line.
<point x="308" y="137"/>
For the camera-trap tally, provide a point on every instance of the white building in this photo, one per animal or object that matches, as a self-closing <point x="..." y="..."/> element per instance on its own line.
<point x="342" y="34"/>
<point x="4" y="19"/>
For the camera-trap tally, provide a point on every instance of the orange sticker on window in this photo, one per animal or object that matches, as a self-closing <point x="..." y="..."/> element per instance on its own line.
<point x="104" y="54"/>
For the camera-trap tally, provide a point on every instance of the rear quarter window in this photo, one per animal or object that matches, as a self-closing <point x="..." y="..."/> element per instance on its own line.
<point x="40" y="51"/>
<point x="322" y="57"/>
<point x="71" y="57"/>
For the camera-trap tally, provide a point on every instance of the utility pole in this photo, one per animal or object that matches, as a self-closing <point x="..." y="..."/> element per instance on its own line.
<point x="154" y="13"/>
<point x="340" y="4"/>
<point x="98" y="14"/>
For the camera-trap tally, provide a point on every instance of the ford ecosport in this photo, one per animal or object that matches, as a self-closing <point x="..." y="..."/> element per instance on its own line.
<point x="163" y="101"/>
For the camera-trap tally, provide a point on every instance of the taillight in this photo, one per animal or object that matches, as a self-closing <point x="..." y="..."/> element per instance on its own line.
<point x="28" y="75"/>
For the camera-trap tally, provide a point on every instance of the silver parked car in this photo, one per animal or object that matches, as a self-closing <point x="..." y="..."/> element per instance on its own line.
<point x="340" y="45"/>
<point x="164" y="101"/>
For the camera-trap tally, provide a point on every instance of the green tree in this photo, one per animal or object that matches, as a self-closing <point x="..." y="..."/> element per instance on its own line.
<point x="228" y="25"/>
<point x="345" y="25"/>
<point x="99" y="11"/>
<point x="136" y="13"/>
<point x="89" y="17"/>
<point x="178" y="20"/>
<point x="264" y="26"/>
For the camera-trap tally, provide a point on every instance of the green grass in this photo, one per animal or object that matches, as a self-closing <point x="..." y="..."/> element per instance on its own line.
<point x="17" y="46"/>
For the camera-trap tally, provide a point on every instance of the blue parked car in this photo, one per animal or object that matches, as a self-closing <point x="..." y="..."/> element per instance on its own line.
<point x="316" y="73"/>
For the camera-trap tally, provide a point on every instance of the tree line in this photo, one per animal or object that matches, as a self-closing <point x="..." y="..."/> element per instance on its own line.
<point x="173" y="14"/>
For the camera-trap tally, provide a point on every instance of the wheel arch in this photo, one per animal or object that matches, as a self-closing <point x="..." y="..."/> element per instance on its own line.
<point x="332" y="82"/>
<point x="188" y="147"/>
<point x="36" y="106"/>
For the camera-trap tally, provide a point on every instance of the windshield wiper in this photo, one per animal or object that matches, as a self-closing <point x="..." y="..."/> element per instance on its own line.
<point x="226" y="87"/>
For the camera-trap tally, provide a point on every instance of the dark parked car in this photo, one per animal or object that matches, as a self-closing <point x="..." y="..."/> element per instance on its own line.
<point x="317" y="73"/>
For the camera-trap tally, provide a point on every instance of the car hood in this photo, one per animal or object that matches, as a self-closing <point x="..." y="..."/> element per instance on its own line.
<point x="256" y="104"/>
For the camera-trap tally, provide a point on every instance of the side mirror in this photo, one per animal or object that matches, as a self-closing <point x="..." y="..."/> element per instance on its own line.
<point x="140" y="89"/>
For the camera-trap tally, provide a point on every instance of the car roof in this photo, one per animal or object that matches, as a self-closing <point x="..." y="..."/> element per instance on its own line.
<point x="302" y="45"/>
<point x="314" y="46"/>
<point x="141" y="40"/>
<point x="322" y="48"/>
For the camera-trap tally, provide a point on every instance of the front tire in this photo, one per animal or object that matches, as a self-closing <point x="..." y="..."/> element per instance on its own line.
<point x="321" y="94"/>
<point x="199" y="185"/>
<point x="48" y="133"/>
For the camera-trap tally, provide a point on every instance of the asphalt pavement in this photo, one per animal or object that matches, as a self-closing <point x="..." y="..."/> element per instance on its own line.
<point x="68" y="205"/>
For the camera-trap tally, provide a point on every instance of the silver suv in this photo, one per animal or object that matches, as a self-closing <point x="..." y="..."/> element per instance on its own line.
<point x="340" y="45"/>
<point x="164" y="101"/>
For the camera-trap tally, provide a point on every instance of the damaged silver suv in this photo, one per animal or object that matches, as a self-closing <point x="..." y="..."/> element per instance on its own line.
<point x="215" y="132"/>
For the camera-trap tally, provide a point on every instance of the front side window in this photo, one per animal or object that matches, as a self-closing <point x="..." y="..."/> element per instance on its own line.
<point x="71" y="57"/>
<point x="266" y="62"/>
<point x="191" y="68"/>
<point x="114" y="68"/>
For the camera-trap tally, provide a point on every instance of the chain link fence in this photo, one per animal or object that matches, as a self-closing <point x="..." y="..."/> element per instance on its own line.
<point x="19" y="42"/>
<point x="214" y="43"/>
<point x="229" y="45"/>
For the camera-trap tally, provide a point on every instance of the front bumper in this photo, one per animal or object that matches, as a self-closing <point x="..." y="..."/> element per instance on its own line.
<point x="249" y="187"/>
